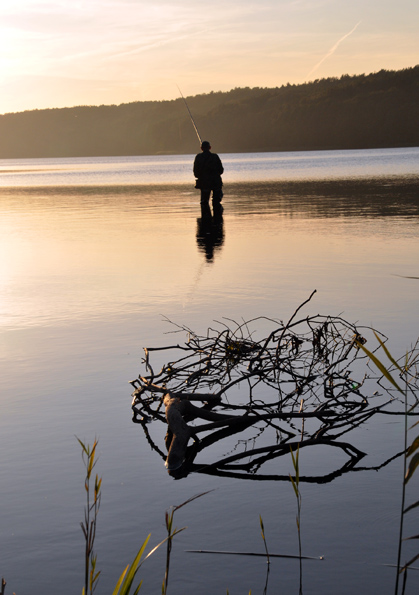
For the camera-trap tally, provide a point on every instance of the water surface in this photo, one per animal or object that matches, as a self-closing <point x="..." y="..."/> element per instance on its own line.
<point x="95" y="254"/>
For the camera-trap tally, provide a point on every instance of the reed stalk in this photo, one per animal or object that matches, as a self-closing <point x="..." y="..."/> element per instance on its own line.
<point x="262" y="529"/>
<point x="169" y="517"/>
<point x="409" y="467"/>
<point x="268" y="560"/>
<point x="91" y="511"/>
<point x="125" y="582"/>
<point x="295" y="481"/>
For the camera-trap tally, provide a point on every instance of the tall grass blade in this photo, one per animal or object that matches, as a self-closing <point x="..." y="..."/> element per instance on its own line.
<point x="411" y="507"/>
<point x="121" y="578"/>
<point x="411" y="537"/>
<point x="414" y="462"/>
<point x="262" y="528"/>
<point x="255" y="554"/>
<point x="83" y="446"/>
<point x="388" y="354"/>
<point x="294" y="485"/>
<point x="380" y="366"/>
<point x="191" y="499"/>
<point x="126" y="579"/>
<point x="413" y="447"/>
<point x="406" y="566"/>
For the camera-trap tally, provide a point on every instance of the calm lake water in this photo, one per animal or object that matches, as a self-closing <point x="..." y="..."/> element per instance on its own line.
<point x="95" y="255"/>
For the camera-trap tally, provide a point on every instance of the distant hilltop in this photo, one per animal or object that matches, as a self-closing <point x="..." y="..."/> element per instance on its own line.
<point x="350" y="112"/>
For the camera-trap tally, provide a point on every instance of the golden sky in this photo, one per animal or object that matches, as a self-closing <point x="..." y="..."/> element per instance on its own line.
<point x="90" y="52"/>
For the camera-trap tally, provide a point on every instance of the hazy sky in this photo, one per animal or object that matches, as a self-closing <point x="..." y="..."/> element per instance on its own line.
<point x="90" y="52"/>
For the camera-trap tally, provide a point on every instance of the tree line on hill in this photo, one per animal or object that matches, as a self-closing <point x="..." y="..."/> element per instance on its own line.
<point x="350" y="112"/>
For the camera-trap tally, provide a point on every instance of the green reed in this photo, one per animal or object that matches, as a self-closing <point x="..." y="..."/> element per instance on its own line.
<point x="91" y="511"/>
<point x="409" y="466"/>
<point x="125" y="583"/>
<point x="262" y="530"/>
<point x="169" y="517"/>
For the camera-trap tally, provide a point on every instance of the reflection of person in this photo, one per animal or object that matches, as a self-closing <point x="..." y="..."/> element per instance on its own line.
<point x="210" y="232"/>
<point x="207" y="168"/>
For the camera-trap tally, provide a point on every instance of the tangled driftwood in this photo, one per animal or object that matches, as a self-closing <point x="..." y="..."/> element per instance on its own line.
<point x="305" y="383"/>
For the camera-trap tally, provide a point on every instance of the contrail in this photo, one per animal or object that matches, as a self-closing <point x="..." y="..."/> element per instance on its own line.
<point x="332" y="50"/>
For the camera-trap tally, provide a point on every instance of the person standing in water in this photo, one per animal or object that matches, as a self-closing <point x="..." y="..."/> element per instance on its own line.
<point x="207" y="168"/>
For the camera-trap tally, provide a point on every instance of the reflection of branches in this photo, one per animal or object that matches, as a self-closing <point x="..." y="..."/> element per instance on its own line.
<point x="307" y="373"/>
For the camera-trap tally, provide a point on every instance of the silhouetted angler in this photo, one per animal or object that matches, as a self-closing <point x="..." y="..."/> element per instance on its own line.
<point x="207" y="168"/>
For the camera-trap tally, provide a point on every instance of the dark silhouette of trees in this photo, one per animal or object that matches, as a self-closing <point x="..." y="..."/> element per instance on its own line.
<point x="350" y="112"/>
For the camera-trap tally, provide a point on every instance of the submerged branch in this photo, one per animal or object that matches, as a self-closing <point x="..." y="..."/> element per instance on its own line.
<point x="308" y="371"/>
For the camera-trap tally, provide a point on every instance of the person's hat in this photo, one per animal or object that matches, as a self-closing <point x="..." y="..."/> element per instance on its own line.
<point x="205" y="144"/>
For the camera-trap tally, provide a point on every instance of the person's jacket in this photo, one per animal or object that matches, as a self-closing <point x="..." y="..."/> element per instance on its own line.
<point x="208" y="168"/>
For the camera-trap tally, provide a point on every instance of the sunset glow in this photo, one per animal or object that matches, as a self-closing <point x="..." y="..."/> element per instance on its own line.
<point x="62" y="53"/>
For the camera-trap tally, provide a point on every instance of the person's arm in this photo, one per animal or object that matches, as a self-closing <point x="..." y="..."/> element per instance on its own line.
<point x="196" y="168"/>
<point x="220" y="166"/>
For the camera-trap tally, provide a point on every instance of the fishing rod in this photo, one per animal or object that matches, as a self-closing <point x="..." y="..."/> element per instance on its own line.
<point x="193" y="121"/>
